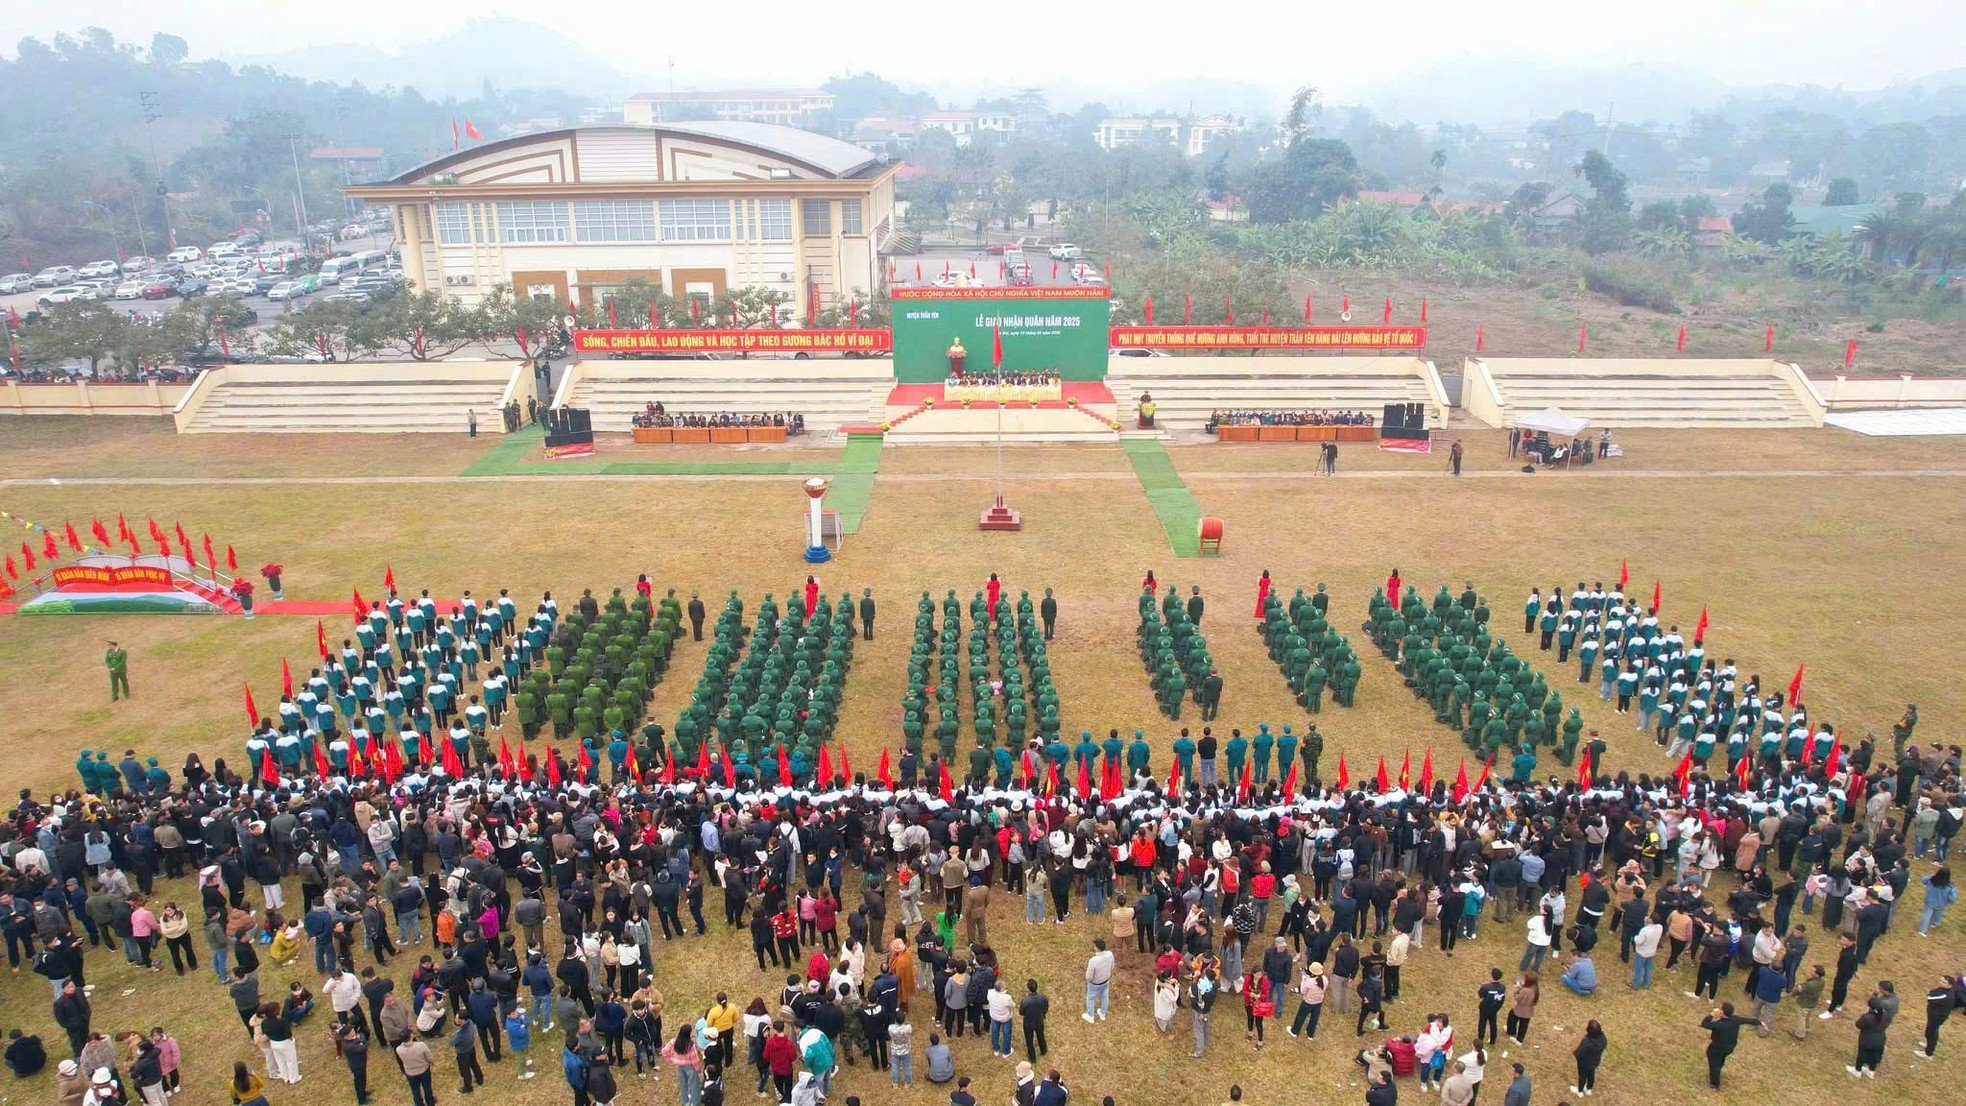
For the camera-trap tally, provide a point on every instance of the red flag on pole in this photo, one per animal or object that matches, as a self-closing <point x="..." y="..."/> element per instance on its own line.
<point x="1487" y="766"/>
<point x="1679" y="346"/>
<point x="1109" y="780"/>
<point x="1345" y="304"/>
<point x="730" y="770"/>
<point x="1344" y="777"/>
<point x="53" y="552"/>
<point x="1290" y="780"/>
<point x="1084" y="786"/>
<point x="101" y="534"/>
<point x="1387" y="318"/>
<point x="1229" y="310"/>
<point x="156" y="531"/>
<point x="286" y="678"/>
<point x="610" y="312"/>
<point x="553" y="768"/>
<point x="885" y="772"/>
<point x="453" y="765"/>
<point x="1264" y="319"/>
<point x="1460" y="789"/>
<point x="1427" y="772"/>
<point x="784" y="767"/>
<point x="1684" y="774"/>
<point x="321" y="638"/>
<point x="1147" y="310"/>
<point x="182" y="541"/>
<point x="388" y="578"/>
<point x="13" y="570"/>
<point x="1244" y="785"/>
<point x="1584" y="770"/>
<point x="1383" y="782"/>
<point x="1795" y="688"/>
<point x="846" y="770"/>
<point x="269" y="772"/>
<point x="944" y="786"/>
<point x="825" y="775"/>
<point x="252" y="709"/>
<point x="1174" y="776"/>
<point x="1850" y="354"/>
<point x="1624" y="573"/>
<point x="655" y="317"/>
<point x="1834" y="758"/>
<point x="996" y="346"/>
<point x="75" y="543"/>
<point x="1051" y="777"/>
<point x="209" y="558"/>
<point x="231" y="560"/>
<point x="1768" y="342"/>
<point x="361" y="608"/>
<point x="1658" y="597"/>
<point x="505" y="763"/>
<point x="321" y="766"/>
<point x="668" y="773"/>
<point x="585" y="762"/>
<point x="1406" y="770"/>
<point x="1808" y="751"/>
<point x="1583" y="338"/>
<point x="633" y="765"/>
<point x="1187" y="309"/>
<point x="1423" y="310"/>
<point x="1480" y="336"/>
<point x="456" y="139"/>
<point x="392" y="761"/>
<point x="355" y="765"/>
<point x="703" y="762"/>
<point x="1744" y="769"/>
<point x="1700" y="631"/>
<point x="1307" y="309"/>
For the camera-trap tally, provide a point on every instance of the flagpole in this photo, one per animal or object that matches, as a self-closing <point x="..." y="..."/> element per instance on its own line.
<point x="999" y="370"/>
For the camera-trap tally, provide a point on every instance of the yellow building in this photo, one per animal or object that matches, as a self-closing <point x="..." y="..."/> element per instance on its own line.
<point x="694" y="208"/>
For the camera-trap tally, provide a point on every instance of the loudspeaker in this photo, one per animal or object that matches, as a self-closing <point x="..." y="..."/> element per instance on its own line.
<point x="580" y="421"/>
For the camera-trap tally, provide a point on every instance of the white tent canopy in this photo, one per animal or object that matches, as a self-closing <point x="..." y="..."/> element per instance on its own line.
<point x="1552" y="420"/>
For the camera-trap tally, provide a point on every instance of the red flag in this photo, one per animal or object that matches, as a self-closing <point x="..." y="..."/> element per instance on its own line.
<point x="1344" y="778"/>
<point x="611" y="322"/>
<point x="134" y="550"/>
<point x="655" y="318"/>
<point x="846" y="770"/>
<point x="1387" y="318"/>
<point x="972" y="270"/>
<point x="1624" y="573"/>
<point x="1174" y="776"/>
<point x="68" y="529"/>
<point x="1246" y="784"/>
<point x="1480" y="336"/>
<point x="519" y="335"/>
<point x="1405" y="770"/>
<point x="231" y="560"/>
<point x="1768" y="342"/>
<point x="156" y="531"/>
<point x="1684" y="774"/>
<point x="1834" y="758"/>
<point x="1050" y="778"/>
<point x="206" y="541"/>
<point x="1229" y="310"/>
<point x="1290" y="780"/>
<point x="996" y="346"/>
<point x="1583" y="338"/>
<point x="252" y="709"/>
<point x="1187" y="308"/>
<point x="1264" y="320"/>
<point x="321" y="766"/>
<point x="392" y="761"/>
<point x="1487" y="766"/>
<point x="1584" y="770"/>
<point x="355" y="765"/>
<point x="1423" y="310"/>
<point x="885" y="771"/>
<point x="52" y="551"/>
<point x="1345" y="304"/>
<point x="944" y="786"/>
<point x="102" y="534"/>
<point x="1850" y="354"/>
<point x="633" y="765"/>
<point x="1795" y="688"/>
<point x="668" y="773"/>
<point x="918" y="271"/>
<point x="426" y="755"/>
<point x="1427" y="772"/>
<point x="1085" y="780"/>
<point x="825" y="768"/>
<point x="553" y="768"/>
<point x="1460" y="789"/>
<point x="361" y="608"/>
<point x="1808" y="752"/>
<point x="1384" y="784"/>
<point x="1147" y="310"/>
<point x="27" y="556"/>
<point x="269" y="772"/>
<point x="286" y="678"/>
<point x="1700" y="631"/>
<point x="1307" y="308"/>
<point x="585" y="762"/>
<point x="1744" y="769"/>
<point x="13" y="570"/>
<point x="505" y="758"/>
<point x="453" y="766"/>
<point x="703" y="762"/>
<point x="1658" y="597"/>
<point x="388" y="578"/>
<point x="784" y="767"/>
<point x="321" y="638"/>
<point x="730" y="770"/>
<point x="456" y="141"/>
<point x="1679" y="346"/>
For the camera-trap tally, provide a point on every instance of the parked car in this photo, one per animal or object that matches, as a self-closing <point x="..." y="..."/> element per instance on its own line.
<point x="222" y="249"/>
<point x="995" y="248"/>
<point x="99" y="269"/>
<point x="349" y="295"/>
<point x="159" y="290"/>
<point x="130" y="289"/>
<point x="353" y="231"/>
<point x="16" y="282"/>
<point x="185" y="254"/>
<point x="54" y="275"/>
<point x="233" y="286"/>
<point x="286" y="290"/>
<point x="67" y="293"/>
<point x="137" y="264"/>
<point x="1065" y="251"/>
<point x="192" y="286"/>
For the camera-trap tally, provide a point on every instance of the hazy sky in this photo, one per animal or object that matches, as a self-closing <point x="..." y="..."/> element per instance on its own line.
<point x="1348" y="50"/>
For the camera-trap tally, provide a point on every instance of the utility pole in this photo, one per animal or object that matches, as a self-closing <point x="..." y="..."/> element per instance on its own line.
<point x="300" y="196"/>
<point x="1610" y="110"/>
<point x="149" y="104"/>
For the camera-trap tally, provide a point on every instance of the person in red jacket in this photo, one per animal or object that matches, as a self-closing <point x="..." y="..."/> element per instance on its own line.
<point x="1258" y="1004"/>
<point x="993" y="594"/>
<point x="781" y="1055"/>
<point x="1399" y="1051"/>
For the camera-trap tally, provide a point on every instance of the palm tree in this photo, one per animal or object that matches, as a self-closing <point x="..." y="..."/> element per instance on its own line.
<point x="1878" y="233"/>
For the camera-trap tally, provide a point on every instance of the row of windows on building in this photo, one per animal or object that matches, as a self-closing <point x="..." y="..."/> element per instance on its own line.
<point x="533" y="222"/>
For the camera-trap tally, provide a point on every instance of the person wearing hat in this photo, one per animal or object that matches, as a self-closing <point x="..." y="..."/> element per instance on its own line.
<point x="117" y="660"/>
<point x="70" y="1083"/>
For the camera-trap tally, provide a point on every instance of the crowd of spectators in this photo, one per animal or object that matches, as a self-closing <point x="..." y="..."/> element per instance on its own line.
<point x="1287" y="418"/>
<point x="655" y="414"/>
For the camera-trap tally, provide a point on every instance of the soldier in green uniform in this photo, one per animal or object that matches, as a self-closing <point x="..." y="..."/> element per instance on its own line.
<point x="1312" y="751"/>
<point x="117" y="660"/>
<point x="1573" y="728"/>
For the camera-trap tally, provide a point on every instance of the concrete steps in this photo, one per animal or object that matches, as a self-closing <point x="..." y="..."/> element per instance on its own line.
<point x="1742" y="399"/>
<point x="405" y="405"/>
<point x="828" y="393"/>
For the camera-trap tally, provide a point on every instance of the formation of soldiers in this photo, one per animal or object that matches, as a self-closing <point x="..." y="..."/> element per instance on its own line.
<point x="1176" y="654"/>
<point x="773" y="687"/>
<point x="1312" y="655"/>
<point x="1500" y="704"/>
<point x="600" y="671"/>
<point x="1006" y="662"/>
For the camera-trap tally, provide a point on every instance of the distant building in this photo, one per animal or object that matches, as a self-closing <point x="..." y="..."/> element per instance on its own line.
<point x="695" y="209"/>
<point x="1395" y="199"/>
<point x="1228" y="209"/>
<point x="1203" y="132"/>
<point x="1114" y="133"/>
<point x="793" y="107"/>
<point x="887" y="135"/>
<point x="357" y="164"/>
<point x="1711" y="230"/>
<point x="1820" y="220"/>
<point x="964" y="126"/>
<point x="1768" y="172"/>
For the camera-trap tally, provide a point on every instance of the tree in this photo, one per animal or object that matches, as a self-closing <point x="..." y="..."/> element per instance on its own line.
<point x="333" y="329"/>
<point x="504" y="312"/>
<point x="1301" y="120"/>
<point x="1659" y="215"/>
<point x="752" y="307"/>
<point x="77" y="331"/>
<point x="422" y="326"/>
<point x="1606" y="221"/>
<point x="1307" y="176"/>
<point x="1768" y="220"/>
<point x="1842" y="192"/>
<point x="1527" y="199"/>
<point x="168" y="50"/>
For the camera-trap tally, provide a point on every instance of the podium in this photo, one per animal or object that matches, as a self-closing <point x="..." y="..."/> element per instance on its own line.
<point x="998" y="516"/>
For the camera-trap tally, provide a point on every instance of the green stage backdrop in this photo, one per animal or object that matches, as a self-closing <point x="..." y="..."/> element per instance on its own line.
<point x="1065" y="329"/>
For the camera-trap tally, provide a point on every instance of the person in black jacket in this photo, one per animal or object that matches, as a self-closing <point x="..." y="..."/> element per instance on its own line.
<point x="1032" y="1008"/>
<point x="1491" y="996"/>
<point x="26" y="1056"/>
<point x="1724" y="1035"/>
<point x="867" y="614"/>
<point x="1589" y="1053"/>
<point x="1871" y="1026"/>
<point x="72" y="1013"/>
<point x="354" y="1048"/>
<point x="1945" y="996"/>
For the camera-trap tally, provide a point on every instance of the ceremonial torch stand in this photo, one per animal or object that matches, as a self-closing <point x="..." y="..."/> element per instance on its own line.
<point x="816" y="551"/>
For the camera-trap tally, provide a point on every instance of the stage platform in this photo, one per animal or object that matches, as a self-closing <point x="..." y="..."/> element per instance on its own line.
<point x="920" y="414"/>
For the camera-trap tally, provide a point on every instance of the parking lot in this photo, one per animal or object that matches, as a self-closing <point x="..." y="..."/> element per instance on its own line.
<point x="268" y="309"/>
<point x="989" y="266"/>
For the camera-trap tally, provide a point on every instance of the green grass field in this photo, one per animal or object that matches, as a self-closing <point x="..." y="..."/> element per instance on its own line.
<point x="1806" y="547"/>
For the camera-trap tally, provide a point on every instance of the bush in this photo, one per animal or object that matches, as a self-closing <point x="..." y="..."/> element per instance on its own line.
<point x="1627" y="285"/>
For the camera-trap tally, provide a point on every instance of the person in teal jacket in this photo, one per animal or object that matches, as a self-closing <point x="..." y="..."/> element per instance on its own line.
<point x="1286" y="750"/>
<point x="1524" y="765"/>
<point x="1184" y="754"/>
<point x="1234" y="752"/>
<point x="1259" y="752"/>
<point x="1086" y="753"/>
<point x="1139" y="755"/>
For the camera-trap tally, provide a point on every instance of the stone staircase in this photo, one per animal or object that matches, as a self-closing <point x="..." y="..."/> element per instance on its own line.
<point x="1187" y="389"/>
<point x="419" y="401"/>
<point x="1652" y="393"/>
<point x="829" y="392"/>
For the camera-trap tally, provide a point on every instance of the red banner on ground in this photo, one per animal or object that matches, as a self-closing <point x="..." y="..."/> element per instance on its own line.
<point x="999" y="292"/>
<point x="858" y="340"/>
<point x="112" y="578"/>
<point x="1269" y="337"/>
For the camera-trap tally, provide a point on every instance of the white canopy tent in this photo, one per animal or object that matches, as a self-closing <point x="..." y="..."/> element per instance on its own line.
<point x="1552" y="421"/>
